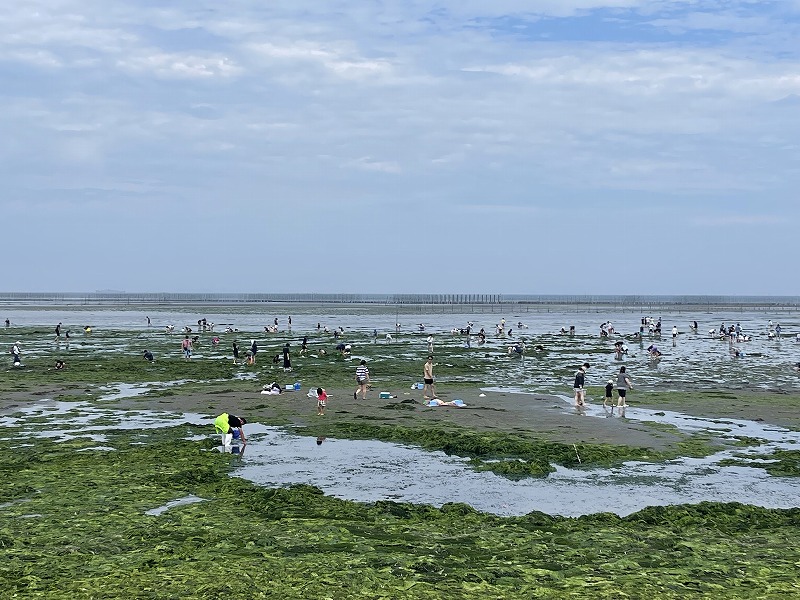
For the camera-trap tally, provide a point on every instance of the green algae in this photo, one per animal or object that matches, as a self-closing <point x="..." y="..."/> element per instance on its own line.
<point x="746" y="440"/>
<point x="92" y="538"/>
<point x="780" y="463"/>
<point x="509" y="454"/>
<point x="699" y="445"/>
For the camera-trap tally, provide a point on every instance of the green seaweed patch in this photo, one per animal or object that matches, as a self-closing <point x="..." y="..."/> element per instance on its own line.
<point x="159" y="394"/>
<point x="699" y="445"/>
<point x="781" y="463"/>
<point x="746" y="441"/>
<point x="95" y="540"/>
<point x="665" y="427"/>
<point x="739" y="461"/>
<point x="506" y="454"/>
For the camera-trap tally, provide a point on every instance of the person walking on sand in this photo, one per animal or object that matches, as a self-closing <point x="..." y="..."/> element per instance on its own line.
<point x="623" y="385"/>
<point x="362" y="379"/>
<point x="322" y="402"/>
<point x="427" y="378"/>
<point x="580" y="382"/>
<point x="186" y="345"/>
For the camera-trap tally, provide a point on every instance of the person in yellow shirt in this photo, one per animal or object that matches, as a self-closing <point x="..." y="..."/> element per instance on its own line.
<point x="232" y="425"/>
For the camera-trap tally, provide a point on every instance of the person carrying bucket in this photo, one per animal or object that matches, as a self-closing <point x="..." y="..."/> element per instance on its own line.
<point x="230" y="427"/>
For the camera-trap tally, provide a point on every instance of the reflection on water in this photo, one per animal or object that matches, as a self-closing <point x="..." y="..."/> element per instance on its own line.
<point x="368" y="471"/>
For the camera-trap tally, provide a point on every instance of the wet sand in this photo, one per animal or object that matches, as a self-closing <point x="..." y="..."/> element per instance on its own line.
<point x="541" y="416"/>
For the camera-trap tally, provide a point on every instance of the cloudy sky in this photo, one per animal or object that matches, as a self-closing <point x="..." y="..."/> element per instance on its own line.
<point x="450" y="146"/>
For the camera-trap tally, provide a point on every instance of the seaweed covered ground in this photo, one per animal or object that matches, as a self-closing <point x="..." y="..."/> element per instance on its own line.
<point x="75" y="526"/>
<point x="74" y="522"/>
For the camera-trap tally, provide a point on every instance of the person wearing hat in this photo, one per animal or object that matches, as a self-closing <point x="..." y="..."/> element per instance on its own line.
<point x="232" y="425"/>
<point x="609" y="394"/>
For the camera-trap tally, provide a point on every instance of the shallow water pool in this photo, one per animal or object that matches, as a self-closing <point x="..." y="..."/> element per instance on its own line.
<point x="368" y="471"/>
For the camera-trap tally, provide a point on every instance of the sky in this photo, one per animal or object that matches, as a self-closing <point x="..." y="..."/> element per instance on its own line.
<point x="414" y="146"/>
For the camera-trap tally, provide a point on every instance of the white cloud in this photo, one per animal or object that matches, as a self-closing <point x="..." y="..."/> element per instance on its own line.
<point x="280" y="107"/>
<point x="643" y="73"/>
<point x="337" y="59"/>
<point x="180" y="65"/>
<point x="367" y="163"/>
<point x="473" y="9"/>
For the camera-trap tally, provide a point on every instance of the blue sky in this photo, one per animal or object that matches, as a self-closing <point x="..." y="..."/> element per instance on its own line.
<point x="451" y="146"/>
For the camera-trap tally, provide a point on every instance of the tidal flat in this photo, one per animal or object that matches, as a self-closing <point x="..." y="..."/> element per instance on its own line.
<point x="74" y="509"/>
<point x="76" y="525"/>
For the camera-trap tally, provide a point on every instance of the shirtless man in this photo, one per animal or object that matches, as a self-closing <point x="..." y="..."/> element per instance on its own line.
<point x="427" y="377"/>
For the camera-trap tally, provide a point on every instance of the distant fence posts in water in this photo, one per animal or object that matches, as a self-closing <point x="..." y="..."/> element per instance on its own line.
<point x="502" y="303"/>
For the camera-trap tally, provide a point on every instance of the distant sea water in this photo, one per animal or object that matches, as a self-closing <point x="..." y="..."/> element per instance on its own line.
<point x="368" y="312"/>
<point x="529" y="300"/>
<point x="251" y="312"/>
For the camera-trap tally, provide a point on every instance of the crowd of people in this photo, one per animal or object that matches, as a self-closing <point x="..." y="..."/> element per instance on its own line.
<point x="620" y="382"/>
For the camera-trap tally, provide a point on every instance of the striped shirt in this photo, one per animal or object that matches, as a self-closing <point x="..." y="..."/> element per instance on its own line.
<point x="362" y="372"/>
